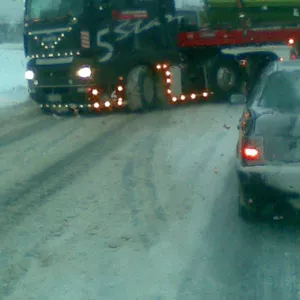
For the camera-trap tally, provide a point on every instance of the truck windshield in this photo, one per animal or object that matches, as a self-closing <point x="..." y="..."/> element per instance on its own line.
<point x="45" y="9"/>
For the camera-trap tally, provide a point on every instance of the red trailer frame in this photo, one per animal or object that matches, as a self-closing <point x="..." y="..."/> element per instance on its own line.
<point x="226" y="38"/>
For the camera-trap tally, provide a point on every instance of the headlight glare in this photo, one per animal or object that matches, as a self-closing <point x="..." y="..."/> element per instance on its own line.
<point x="29" y="75"/>
<point x="84" y="72"/>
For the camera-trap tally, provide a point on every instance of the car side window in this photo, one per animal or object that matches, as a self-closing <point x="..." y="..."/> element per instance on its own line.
<point x="282" y="91"/>
<point x="258" y="88"/>
<point x="269" y="69"/>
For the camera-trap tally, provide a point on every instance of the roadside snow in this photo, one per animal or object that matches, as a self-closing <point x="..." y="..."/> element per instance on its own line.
<point x="12" y="10"/>
<point x="12" y="46"/>
<point x="13" y="88"/>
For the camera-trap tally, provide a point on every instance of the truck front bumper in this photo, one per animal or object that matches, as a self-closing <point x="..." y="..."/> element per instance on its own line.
<point x="61" y="85"/>
<point x="75" y="96"/>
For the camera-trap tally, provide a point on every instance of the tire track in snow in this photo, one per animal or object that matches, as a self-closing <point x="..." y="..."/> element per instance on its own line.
<point x="144" y="214"/>
<point x="242" y="260"/>
<point x="25" y="198"/>
<point x="20" y="134"/>
<point x="149" y="226"/>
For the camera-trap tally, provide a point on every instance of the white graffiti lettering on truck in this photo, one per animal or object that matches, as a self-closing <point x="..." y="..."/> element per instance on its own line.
<point x="124" y="30"/>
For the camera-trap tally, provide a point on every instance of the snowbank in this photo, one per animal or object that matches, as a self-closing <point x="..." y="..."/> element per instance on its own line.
<point x="12" y="10"/>
<point x="11" y="46"/>
<point x="13" y="86"/>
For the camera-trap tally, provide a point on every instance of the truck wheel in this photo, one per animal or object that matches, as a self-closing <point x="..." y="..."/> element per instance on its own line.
<point x="162" y="100"/>
<point x="140" y="89"/>
<point x="226" y="78"/>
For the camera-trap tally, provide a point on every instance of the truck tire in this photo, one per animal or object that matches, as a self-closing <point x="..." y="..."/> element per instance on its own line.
<point x="162" y="100"/>
<point x="140" y="89"/>
<point x="226" y="78"/>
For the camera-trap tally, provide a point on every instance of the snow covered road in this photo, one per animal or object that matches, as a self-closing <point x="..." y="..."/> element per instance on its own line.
<point x="125" y="207"/>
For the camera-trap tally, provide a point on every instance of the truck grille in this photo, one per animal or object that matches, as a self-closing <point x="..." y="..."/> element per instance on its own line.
<point x="53" y="77"/>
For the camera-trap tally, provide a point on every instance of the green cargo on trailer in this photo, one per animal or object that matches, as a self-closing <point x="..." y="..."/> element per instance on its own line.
<point x="253" y="13"/>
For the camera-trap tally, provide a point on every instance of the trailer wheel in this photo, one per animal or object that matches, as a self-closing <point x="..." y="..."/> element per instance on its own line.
<point x="140" y="89"/>
<point x="226" y="78"/>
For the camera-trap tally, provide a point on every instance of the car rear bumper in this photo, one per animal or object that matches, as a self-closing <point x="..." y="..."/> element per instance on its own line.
<point x="276" y="185"/>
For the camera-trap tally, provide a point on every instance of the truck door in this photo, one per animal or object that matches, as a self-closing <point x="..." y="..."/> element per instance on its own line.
<point x="159" y="33"/>
<point x="151" y="22"/>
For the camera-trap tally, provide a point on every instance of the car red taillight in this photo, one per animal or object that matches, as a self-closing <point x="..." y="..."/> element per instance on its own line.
<point x="293" y="57"/>
<point x="252" y="150"/>
<point x="251" y="153"/>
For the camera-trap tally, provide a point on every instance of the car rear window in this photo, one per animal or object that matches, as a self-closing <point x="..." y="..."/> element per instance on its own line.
<point x="282" y="91"/>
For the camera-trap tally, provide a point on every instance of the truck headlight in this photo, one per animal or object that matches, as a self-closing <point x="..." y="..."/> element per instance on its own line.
<point x="29" y="75"/>
<point x="84" y="72"/>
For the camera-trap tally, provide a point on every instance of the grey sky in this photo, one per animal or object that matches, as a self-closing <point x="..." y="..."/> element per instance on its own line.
<point x="12" y="9"/>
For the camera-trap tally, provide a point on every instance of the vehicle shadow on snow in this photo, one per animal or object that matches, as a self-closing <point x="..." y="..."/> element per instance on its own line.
<point x="235" y="259"/>
<point x="124" y="111"/>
